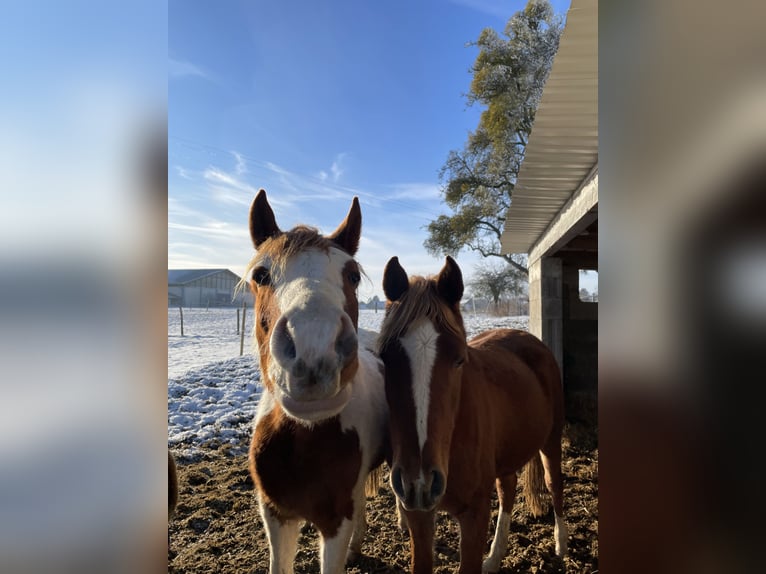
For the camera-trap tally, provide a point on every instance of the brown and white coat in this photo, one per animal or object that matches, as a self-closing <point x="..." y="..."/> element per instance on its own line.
<point x="321" y="425"/>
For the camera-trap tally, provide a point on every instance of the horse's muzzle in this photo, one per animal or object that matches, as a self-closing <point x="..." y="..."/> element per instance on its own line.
<point x="312" y="367"/>
<point x="424" y="493"/>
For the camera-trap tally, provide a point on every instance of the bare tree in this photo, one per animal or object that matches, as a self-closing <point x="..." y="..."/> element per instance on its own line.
<point x="494" y="280"/>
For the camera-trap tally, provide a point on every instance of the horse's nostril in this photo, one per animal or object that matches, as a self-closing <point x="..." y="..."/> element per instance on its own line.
<point x="300" y="369"/>
<point x="347" y="343"/>
<point x="438" y="485"/>
<point x="396" y="482"/>
<point x="281" y="342"/>
<point x="346" y="346"/>
<point x="289" y="345"/>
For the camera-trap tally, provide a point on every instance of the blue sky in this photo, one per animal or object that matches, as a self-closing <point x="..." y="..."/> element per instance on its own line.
<point x="317" y="102"/>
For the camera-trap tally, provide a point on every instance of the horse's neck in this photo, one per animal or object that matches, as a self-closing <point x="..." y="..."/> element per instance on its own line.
<point x="266" y="404"/>
<point x="367" y="339"/>
<point x="368" y="381"/>
<point x="475" y="388"/>
<point x="367" y="412"/>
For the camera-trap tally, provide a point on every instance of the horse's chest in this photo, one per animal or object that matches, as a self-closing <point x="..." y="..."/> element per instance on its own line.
<point x="306" y="472"/>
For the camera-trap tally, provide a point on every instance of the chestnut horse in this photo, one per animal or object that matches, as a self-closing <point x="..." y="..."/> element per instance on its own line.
<point x="465" y="416"/>
<point x="322" y="421"/>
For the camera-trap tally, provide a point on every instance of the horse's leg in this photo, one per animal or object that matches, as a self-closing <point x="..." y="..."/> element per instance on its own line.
<point x="333" y="549"/>
<point x="551" y="457"/>
<point x="360" y="526"/>
<point x="421" y="525"/>
<point x="283" y="541"/>
<point x="506" y="492"/>
<point x="401" y="519"/>
<point x="473" y="535"/>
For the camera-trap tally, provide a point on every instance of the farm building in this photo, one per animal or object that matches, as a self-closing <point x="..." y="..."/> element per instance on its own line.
<point x="202" y="288"/>
<point x="554" y="212"/>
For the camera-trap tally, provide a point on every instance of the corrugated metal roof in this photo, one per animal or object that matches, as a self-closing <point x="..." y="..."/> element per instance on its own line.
<point x="563" y="145"/>
<point x="183" y="276"/>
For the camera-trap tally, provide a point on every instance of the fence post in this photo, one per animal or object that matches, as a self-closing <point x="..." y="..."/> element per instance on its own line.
<point x="242" y="332"/>
<point x="181" y="310"/>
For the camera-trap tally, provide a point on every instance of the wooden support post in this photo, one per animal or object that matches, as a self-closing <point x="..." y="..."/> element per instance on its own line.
<point x="242" y="332"/>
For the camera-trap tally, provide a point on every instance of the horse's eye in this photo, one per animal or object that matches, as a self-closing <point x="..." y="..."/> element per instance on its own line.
<point x="459" y="362"/>
<point x="261" y="276"/>
<point x="354" y="277"/>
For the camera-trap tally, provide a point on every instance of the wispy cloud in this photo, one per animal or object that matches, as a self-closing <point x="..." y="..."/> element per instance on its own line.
<point x="276" y="168"/>
<point x="415" y="191"/>
<point x="241" y="166"/>
<point x="300" y="187"/>
<point x="183" y="172"/>
<point x="228" y="196"/>
<point x="318" y="198"/>
<point x="180" y="69"/>
<point x="213" y="227"/>
<point x="178" y="209"/>
<point x="336" y="168"/>
<point x="229" y="188"/>
<point x="293" y="188"/>
<point x="218" y="176"/>
<point x="203" y="235"/>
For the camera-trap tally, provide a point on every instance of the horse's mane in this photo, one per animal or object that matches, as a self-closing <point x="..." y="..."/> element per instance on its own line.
<point x="421" y="300"/>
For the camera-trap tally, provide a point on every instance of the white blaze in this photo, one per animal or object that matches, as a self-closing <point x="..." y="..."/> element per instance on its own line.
<point x="310" y="292"/>
<point x="309" y="272"/>
<point x="420" y="345"/>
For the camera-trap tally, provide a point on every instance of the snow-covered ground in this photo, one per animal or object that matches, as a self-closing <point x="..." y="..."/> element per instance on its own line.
<point x="213" y="392"/>
<point x="209" y="336"/>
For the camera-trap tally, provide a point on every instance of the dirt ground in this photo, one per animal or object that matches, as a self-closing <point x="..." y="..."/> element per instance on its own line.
<point x="217" y="528"/>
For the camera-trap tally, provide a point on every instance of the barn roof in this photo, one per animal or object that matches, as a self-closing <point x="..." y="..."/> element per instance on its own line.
<point x="183" y="276"/>
<point x="562" y="152"/>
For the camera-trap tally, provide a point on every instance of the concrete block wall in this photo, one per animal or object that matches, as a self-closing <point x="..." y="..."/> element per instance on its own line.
<point x="545" y="303"/>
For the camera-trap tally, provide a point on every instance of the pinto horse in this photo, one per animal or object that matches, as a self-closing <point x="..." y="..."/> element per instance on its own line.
<point x="321" y="426"/>
<point x="465" y="416"/>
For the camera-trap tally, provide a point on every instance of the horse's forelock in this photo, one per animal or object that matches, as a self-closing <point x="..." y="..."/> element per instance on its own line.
<point x="281" y="249"/>
<point x="421" y="300"/>
<point x="278" y="250"/>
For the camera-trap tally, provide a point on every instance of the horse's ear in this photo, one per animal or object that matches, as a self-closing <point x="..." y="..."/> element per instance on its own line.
<point x="449" y="283"/>
<point x="263" y="224"/>
<point x="348" y="232"/>
<point x="395" y="281"/>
